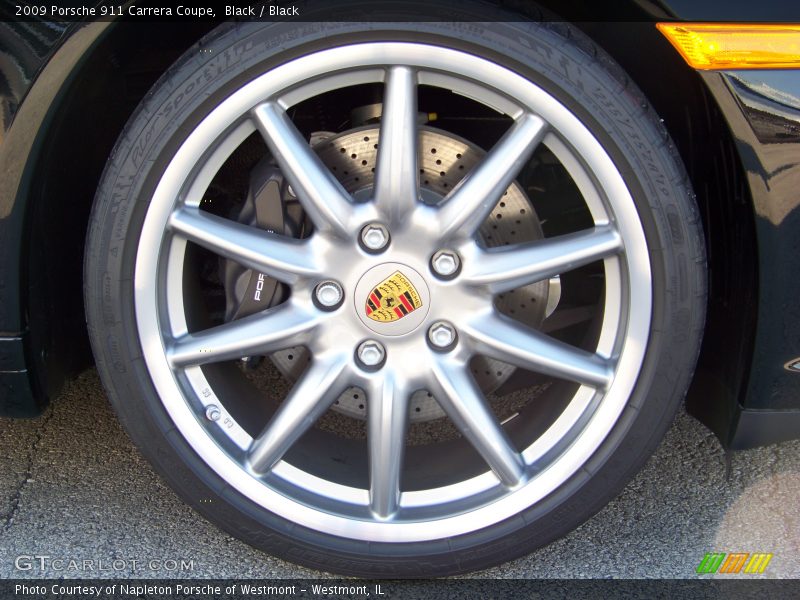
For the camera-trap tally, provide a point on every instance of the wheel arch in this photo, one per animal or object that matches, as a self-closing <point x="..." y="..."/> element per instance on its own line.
<point x="112" y="67"/>
<point x="705" y="143"/>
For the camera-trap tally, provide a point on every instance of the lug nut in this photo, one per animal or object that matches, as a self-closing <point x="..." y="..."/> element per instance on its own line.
<point x="442" y="335"/>
<point x="328" y="295"/>
<point x="374" y="237"/>
<point x="445" y="263"/>
<point x="213" y="413"/>
<point x="371" y="353"/>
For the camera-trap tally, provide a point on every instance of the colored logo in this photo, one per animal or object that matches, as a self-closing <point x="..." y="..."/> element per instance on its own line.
<point x="392" y="299"/>
<point x="736" y="562"/>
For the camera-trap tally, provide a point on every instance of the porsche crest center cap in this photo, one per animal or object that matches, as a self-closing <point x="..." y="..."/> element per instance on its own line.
<point x="392" y="299"/>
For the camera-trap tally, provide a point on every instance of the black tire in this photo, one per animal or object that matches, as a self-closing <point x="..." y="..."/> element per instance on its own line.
<point x="570" y="68"/>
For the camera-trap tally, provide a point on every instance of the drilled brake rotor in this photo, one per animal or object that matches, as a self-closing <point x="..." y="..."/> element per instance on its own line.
<point x="444" y="160"/>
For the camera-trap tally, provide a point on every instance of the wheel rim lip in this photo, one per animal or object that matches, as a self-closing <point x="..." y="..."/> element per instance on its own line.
<point x="359" y="59"/>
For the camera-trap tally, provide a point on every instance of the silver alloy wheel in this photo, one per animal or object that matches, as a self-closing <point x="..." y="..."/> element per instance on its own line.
<point x="513" y="479"/>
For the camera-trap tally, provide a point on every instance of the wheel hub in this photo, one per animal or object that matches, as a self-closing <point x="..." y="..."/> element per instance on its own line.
<point x="444" y="159"/>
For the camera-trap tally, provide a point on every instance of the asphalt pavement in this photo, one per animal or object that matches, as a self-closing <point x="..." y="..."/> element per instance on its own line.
<point x="74" y="488"/>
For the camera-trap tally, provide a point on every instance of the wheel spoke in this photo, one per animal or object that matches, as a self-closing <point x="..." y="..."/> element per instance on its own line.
<point x="256" y="335"/>
<point x="324" y="199"/>
<point x="396" y="171"/>
<point x="499" y="337"/>
<point x="509" y="267"/>
<point x="387" y="417"/>
<point x="471" y="201"/>
<point x="459" y="396"/>
<point x="310" y="397"/>
<point x="283" y="258"/>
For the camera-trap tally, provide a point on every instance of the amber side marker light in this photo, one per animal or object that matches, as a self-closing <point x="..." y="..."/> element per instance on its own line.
<point x="735" y="45"/>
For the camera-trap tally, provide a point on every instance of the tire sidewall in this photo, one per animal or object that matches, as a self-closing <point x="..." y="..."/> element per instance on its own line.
<point x="549" y="55"/>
